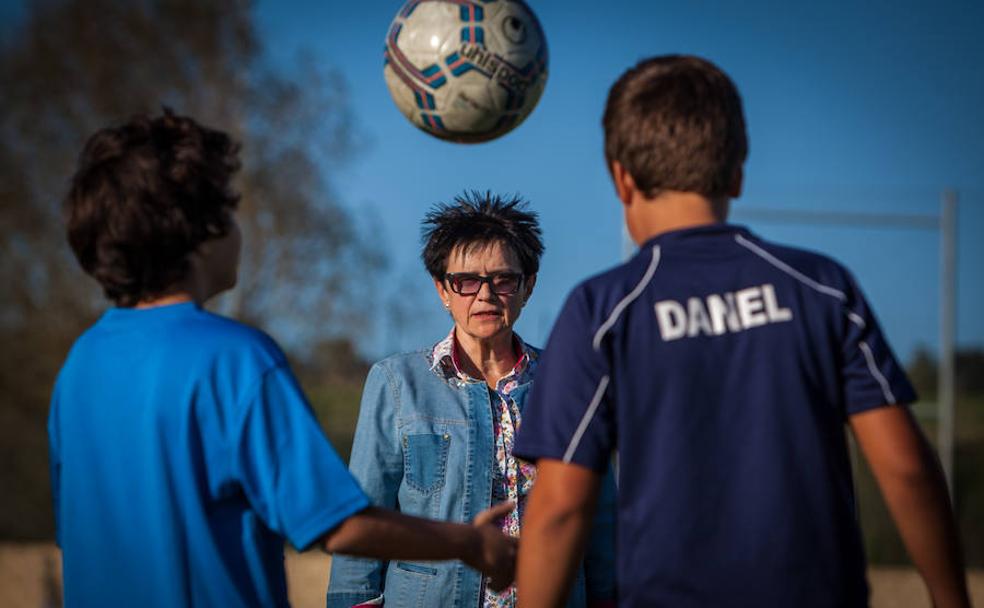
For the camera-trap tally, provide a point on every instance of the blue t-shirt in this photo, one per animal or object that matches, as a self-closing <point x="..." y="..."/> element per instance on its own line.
<point x="722" y="369"/>
<point x="182" y="454"/>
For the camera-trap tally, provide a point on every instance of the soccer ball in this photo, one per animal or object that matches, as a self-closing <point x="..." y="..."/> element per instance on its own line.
<point x="465" y="70"/>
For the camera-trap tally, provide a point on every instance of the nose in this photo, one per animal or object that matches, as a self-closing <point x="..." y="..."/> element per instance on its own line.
<point x="485" y="292"/>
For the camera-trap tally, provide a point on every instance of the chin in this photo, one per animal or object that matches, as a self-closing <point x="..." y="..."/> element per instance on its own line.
<point x="488" y="330"/>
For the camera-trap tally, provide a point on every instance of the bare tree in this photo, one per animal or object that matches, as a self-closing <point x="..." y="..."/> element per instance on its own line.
<point x="74" y="66"/>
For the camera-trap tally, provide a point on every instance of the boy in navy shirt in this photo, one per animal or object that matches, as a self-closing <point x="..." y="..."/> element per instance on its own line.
<point x="722" y="369"/>
<point x="183" y="452"/>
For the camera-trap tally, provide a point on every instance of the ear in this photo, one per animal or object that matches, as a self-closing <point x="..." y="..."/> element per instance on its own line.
<point x="529" y="283"/>
<point x="736" y="183"/>
<point x="625" y="186"/>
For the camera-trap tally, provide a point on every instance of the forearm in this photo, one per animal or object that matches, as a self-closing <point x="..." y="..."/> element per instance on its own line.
<point x="920" y="507"/>
<point x="385" y="534"/>
<point x="554" y="533"/>
<point x="912" y="483"/>
<point x="551" y="548"/>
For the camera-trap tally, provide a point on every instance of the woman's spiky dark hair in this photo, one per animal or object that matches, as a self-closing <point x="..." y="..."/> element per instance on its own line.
<point x="476" y="219"/>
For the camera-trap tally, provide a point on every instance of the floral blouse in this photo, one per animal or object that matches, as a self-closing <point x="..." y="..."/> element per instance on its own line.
<point x="512" y="478"/>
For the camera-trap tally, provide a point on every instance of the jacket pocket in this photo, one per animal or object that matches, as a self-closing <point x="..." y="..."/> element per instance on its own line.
<point x="425" y="461"/>
<point x="417" y="568"/>
<point x="408" y="585"/>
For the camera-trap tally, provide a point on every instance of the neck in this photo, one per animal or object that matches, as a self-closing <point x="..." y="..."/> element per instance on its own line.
<point x="194" y="288"/>
<point x="166" y="300"/>
<point x="489" y="359"/>
<point x="671" y="210"/>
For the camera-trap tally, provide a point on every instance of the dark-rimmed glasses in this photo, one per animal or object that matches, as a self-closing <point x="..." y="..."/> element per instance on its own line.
<point x="469" y="283"/>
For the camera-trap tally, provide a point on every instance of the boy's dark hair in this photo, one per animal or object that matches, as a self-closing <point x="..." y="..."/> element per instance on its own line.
<point x="675" y="122"/>
<point x="474" y="220"/>
<point x="145" y="195"/>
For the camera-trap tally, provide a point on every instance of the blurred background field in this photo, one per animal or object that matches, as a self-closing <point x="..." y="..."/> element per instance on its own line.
<point x="30" y="576"/>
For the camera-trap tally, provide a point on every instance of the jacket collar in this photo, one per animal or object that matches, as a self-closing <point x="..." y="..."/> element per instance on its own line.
<point x="445" y="361"/>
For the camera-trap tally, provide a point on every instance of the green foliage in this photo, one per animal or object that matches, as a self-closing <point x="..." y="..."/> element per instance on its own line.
<point x="923" y="372"/>
<point x="968" y="476"/>
<point x="337" y="406"/>
<point x="332" y="377"/>
<point x="968" y="369"/>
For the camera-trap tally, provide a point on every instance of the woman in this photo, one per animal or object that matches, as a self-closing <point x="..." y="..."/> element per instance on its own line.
<point x="436" y="426"/>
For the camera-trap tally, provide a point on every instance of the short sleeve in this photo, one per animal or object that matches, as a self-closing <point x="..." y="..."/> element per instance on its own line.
<point x="292" y="476"/>
<point x="54" y="462"/>
<point x="871" y="375"/>
<point x="569" y="415"/>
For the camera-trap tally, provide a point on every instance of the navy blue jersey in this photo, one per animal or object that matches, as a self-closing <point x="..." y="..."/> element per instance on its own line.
<point x="722" y="369"/>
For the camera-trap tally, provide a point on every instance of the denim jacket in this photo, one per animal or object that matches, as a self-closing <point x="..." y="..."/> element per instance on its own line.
<point x="424" y="445"/>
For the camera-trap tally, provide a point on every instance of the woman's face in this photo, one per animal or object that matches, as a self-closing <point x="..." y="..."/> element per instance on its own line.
<point x="485" y="314"/>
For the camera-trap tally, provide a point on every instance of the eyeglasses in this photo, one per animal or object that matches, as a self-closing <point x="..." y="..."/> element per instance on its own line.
<point x="469" y="284"/>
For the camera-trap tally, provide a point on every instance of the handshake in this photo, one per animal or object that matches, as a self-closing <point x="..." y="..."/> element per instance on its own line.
<point x="494" y="554"/>
<point x="384" y="534"/>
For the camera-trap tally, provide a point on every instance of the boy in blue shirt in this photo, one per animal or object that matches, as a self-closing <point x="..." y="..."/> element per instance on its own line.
<point x="722" y="369"/>
<point x="183" y="452"/>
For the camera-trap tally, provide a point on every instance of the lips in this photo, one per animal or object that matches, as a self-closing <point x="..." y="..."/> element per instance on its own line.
<point x="487" y="314"/>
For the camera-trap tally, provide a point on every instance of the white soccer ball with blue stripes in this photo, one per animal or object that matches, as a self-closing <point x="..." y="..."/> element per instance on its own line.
<point x="466" y="70"/>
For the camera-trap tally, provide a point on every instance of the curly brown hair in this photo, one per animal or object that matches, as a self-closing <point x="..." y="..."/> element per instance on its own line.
<point x="675" y="122"/>
<point x="145" y="195"/>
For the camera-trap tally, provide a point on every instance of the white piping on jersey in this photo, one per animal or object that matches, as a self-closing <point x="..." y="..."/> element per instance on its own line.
<point x="856" y="319"/>
<point x="596" y="343"/>
<point x="870" y="358"/>
<point x="624" y="302"/>
<point x="768" y="257"/>
<point x="586" y="419"/>
<point x="825" y="289"/>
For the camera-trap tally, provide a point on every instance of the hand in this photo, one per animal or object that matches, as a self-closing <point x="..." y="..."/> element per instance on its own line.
<point x="496" y="554"/>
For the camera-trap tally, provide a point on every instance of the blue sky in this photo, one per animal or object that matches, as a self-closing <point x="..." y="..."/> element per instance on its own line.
<point x="851" y="107"/>
<point x="871" y="107"/>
